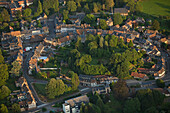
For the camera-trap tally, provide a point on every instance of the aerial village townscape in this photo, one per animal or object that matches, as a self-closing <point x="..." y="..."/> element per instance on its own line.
<point x="85" y="56"/>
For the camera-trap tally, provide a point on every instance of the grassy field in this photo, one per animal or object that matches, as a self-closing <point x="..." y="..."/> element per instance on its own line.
<point x="40" y="88"/>
<point x="156" y="7"/>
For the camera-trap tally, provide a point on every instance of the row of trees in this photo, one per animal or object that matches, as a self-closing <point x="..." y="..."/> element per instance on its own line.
<point x="57" y="87"/>
<point x="144" y="101"/>
<point x="4" y="90"/>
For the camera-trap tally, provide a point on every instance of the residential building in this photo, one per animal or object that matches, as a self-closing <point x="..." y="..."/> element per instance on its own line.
<point x="73" y="105"/>
<point x="122" y="11"/>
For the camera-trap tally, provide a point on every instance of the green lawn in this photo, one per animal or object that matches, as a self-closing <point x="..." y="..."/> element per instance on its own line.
<point x="156" y="7"/>
<point x="40" y="88"/>
<point x="11" y="84"/>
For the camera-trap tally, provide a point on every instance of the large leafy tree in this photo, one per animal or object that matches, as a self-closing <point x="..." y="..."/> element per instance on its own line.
<point x="3" y="109"/>
<point x="120" y="89"/>
<point x="27" y="12"/>
<point x="75" y="81"/>
<point x="50" y="6"/>
<point x="155" y="25"/>
<point x="117" y="19"/>
<point x="110" y="4"/>
<point x="132" y="106"/>
<point x="130" y="43"/>
<point x="101" y="42"/>
<point x="4" y="92"/>
<point x="16" y="108"/>
<point x="3" y="74"/>
<point x="39" y="8"/>
<point x="89" y="19"/>
<point x="5" y="15"/>
<point x="16" y="68"/>
<point x="60" y="87"/>
<point x="95" y="7"/>
<point x="51" y="88"/>
<point x="65" y="14"/>
<point x="71" y="6"/>
<point x="103" y="24"/>
<point x="160" y="83"/>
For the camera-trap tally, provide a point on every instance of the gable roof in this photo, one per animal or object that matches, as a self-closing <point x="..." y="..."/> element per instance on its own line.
<point x="120" y="10"/>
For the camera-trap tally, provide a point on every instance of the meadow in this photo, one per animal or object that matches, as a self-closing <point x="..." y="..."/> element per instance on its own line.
<point x="156" y="7"/>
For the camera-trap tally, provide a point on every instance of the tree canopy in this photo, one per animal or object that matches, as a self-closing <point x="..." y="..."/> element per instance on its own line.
<point x="117" y="19"/>
<point x="71" y="6"/>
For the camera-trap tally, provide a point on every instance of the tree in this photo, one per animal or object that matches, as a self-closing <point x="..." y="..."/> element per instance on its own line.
<point x="131" y="5"/>
<point x="160" y="83"/>
<point x="3" y="109"/>
<point x="4" y="92"/>
<point x="27" y="12"/>
<point x="120" y="89"/>
<point x="5" y="15"/>
<point x="101" y="42"/>
<point x="117" y="19"/>
<point x="19" y="14"/>
<point x="65" y="14"/>
<point x="71" y="6"/>
<point x="106" y="44"/>
<point x="138" y="7"/>
<point x="95" y="7"/>
<point x="16" y="68"/>
<point x="3" y="74"/>
<point x="60" y="87"/>
<point x="75" y="81"/>
<point x="156" y="25"/>
<point x="130" y="43"/>
<point x="110" y="4"/>
<point x="100" y="104"/>
<point x="89" y="19"/>
<point x="51" y="88"/>
<point x="151" y="110"/>
<point x="16" y="108"/>
<point x="132" y="106"/>
<point x="1" y="57"/>
<point x="120" y="3"/>
<point x="39" y="9"/>
<point x="103" y="24"/>
<point x="86" y="8"/>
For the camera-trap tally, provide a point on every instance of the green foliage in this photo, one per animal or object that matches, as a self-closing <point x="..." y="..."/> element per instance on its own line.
<point x="65" y="14"/>
<point x="50" y="6"/>
<point x="101" y="42"/>
<point x="117" y="19"/>
<point x="86" y="8"/>
<point x="109" y="4"/>
<point x="120" y="89"/>
<point x="89" y="19"/>
<point x="3" y="73"/>
<point x="71" y="6"/>
<point x="75" y="81"/>
<point x="51" y="88"/>
<point x="132" y="106"/>
<point x="151" y="110"/>
<point x="44" y="109"/>
<point x="18" y="14"/>
<point x="3" y="109"/>
<point x="39" y="9"/>
<point x="130" y="43"/>
<point x="90" y="108"/>
<point x="16" y="108"/>
<point x="4" y="92"/>
<point x="155" y="25"/>
<point x="56" y="88"/>
<point x="27" y="12"/>
<point x="16" y="68"/>
<point x="160" y="83"/>
<point x="95" y="7"/>
<point x="103" y="24"/>
<point x="5" y="15"/>
<point x="120" y="3"/>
